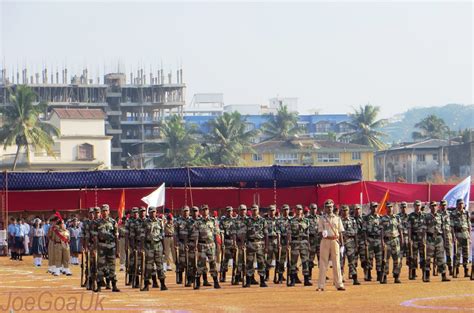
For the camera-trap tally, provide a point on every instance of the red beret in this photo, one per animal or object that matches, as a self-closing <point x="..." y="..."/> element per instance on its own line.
<point x="216" y="214"/>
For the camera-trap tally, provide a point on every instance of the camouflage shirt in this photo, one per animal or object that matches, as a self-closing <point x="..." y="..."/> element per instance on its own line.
<point x="390" y="225"/>
<point x="153" y="232"/>
<point x="241" y="228"/>
<point x="256" y="228"/>
<point x="461" y="223"/>
<point x="204" y="230"/>
<point x="313" y="224"/>
<point x="372" y="225"/>
<point x="181" y="228"/>
<point x="272" y="227"/>
<point x="434" y="223"/>
<point x="283" y="226"/>
<point x="416" y="224"/>
<point x="299" y="228"/>
<point x="107" y="232"/>
<point x="350" y="227"/>
<point x="227" y="227"/>
<point x="403" y="217"/>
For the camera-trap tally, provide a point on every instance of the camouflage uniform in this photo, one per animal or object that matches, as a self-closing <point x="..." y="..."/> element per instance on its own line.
<point x="255" y="238"/>
<point x="350" y="244"/>
<point x="360" y="253"/>
<point x="192" y="271"/>
<point x="151" y="237"/>
<point x="273" y="233"/>
<point x="314" y="240"/>
<point x="241" y="231"/>
<point x="403" y="220"/>
<point x="448" y="237"/>
<point x="461" y="225"/>
<point x="283" y="226"/>
<point x="227" y="228"/>
<point x="136" y="242"/>
<point x="372" y="228"/>
<point x="130" y="245"/>
<point x="107" y="234"/>
<point x="390" y="225"/>
<point x="299" y="236"/>
<point x="434" y="242"/>
<point x="416" y="229"/>
<point x="181" y="229"/>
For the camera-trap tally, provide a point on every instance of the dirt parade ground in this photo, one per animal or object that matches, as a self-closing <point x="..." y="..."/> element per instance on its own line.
<point x="25" y="288"/>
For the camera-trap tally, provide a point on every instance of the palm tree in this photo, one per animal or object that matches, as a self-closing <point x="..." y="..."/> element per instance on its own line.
<point x="181" y="147"/>
<point x="22" y="125"/>
<point x="227" y="139"/>
<point x="281" y="126"/>
<point x="431" y="127"/>
<point x="364" y="127"/>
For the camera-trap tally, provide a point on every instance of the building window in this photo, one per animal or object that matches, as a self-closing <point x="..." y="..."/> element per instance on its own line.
<point x="85" y="152"/>
<point x="435" y="157"/>
<point x="257" y="157"/>
<point x="249" y="127"/>
<point x="328" y="157"/>
<point x="323" y="127"/>
<point x="420" y="158"/>
<point x="286" y="158"/>
<point x="356" y="156"/>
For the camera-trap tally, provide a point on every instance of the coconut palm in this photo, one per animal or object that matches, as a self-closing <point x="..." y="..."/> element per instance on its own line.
<point x="431" y="127"/>
<point x="365" y="127"/>
<point x="281" y="126"/>
<point x="227" y="139"/>
<point x="22" y="125"/>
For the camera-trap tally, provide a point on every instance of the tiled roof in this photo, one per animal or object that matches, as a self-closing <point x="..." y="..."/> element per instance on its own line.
<point x="80" y="114"/>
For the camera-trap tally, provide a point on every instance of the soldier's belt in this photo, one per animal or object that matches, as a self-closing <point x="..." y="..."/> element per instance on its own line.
<point x="331" y="238"/>
<point x="350" y="236"/>
<point x="169" y="236"/>
<point x="255" y="240"/>
<point x="205" y="242"/>
<point x="272" y="237"/>
<point x="373" y="236"/>
<point x="389" y="238"/>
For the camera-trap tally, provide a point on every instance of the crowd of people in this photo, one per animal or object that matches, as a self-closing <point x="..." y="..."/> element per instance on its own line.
<point x="432" y="238"/>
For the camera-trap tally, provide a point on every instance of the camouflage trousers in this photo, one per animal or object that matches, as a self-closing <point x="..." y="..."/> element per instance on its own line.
<point x="448" y="249"/>
<point x="375" y="251"/>
<point x="299" y="248"/>
<point x="392" y="246"/>
<point x="154" y="259"/>
<point x="181" y="261"/>
<point x="207" y="252"/>
<point x="418" y="248"/>
<point x="228" y="254"/>
<point x="255" y="251"/>
<point x="272" y="253"/>
<point x="350" y="253"/>
<point x="314" y="246"/>
<point x="192" y="260"/>
<point x="360" y="252"/>
<point x="462" y="249"/>
<point x="284" y="252"/>
<point x="106" y="261"/>
<point x="435" y="251"/>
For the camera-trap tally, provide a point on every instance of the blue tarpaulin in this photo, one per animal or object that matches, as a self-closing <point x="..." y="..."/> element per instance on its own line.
<point x="246" y="177"/>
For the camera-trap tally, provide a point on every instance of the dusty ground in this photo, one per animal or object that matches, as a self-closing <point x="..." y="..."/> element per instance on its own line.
<point x="27" y="288"/>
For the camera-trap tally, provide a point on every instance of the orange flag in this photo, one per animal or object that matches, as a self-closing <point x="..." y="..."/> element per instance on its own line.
<point x="383" y="204"/>
<point x="121" y="207"/>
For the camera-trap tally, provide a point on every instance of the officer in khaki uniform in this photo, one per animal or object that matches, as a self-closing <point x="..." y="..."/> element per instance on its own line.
<point x="169" y="242"/>
<point x="330" y="227"/>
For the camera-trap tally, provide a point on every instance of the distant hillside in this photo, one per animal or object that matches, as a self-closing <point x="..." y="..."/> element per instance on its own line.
<point x="456" y="116"/>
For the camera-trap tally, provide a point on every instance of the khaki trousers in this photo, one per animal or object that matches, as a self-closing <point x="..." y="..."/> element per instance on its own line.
<point x="51" y="260"/>
<point x="329" y="248"/>
<point x="61" y="255"/>
<point x="122" y="251"/>
<point x="169" y="250"/>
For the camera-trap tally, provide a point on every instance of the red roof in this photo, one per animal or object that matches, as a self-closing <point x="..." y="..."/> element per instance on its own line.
<point x="80" y="114"/>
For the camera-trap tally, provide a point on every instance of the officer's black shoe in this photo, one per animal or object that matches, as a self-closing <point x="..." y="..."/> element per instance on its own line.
<point x="412" y="274"/>
<point x="216" y="282"/>
<point x="114" y="286"/>
<point x="297" y="279"/>
<point x="275" y="278"/>
<point x="426" y="279"/>
<point x="179" y="278"/>
<point x="291" y="283"/>
<point x="397" y="279"/>
<point x="456" y="272"/>
<point x="247" y="282"/>
<point x="197" y="283"/>
<point x="237" y="279"/>
<point x="354" y="279"/>
<point x="222" y="277"/>
<point x="137" y="282"/>
<point x="205" y="282"/>
<point x="267" y="274"/>
<point x="97" y="289"/>
<point x="379" y="276"/>
<point x="155" y="282"/>
<point x="145" y="287"/>
<point x="280" y="278"/>
<point x="368" y="276"/>
<point x="262" y="281"/>
<point x="162" y="283"/>
<point x="253" y="281"/>
<point x="444" y="277"/>
<point x="107" y="283"/>
<point x="466" y="271"/>
<point x="450" y="269"/>
<point x="306" y="281"/>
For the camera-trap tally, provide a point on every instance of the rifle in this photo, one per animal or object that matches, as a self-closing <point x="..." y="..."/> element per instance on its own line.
<point x="424" y="265"/>
<point x="186" y="256"/>
<point x="177" y="262"/>
<point x="196" y="275"/>
<point x="367" y="261"/>
<point x="244" y="264"/>
<point x="127" y="264"/>
<point x="88" y="270"/>
<point x="288" y="264"/>
<point x="135" y="270"/>
<point x="94" y="272"/>
<point x="222" y="257"/>
<point x="277" y="261"/>
<point x="384" y="258"/>
<point x="235" y="265"/>
<point x="455" y="252"/>
<point x="410" y="255"/>
<point x="82" y="269"/>
<point x="142" y="273"/>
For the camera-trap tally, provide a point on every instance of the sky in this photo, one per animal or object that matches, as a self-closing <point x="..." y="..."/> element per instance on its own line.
<point x="332" y="55"/>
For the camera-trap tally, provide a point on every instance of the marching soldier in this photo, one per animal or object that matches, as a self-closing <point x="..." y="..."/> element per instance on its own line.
<point x="435" y="242"/>
<point x="448" y="235"/>
<point x="273" y="241"/>
<point x="314" y="240"/>
<point x="256" y="238"/>
<point x="350" y="244"/>
<point x="130" y="244"/>
<point x="241" y="231"/>
<point x="151" y="239"/>
<point x="204" y="235"/>
<point x="461" y="224"/>
<point x="106" y="239"/>
<point x="361" y="244"/>
<point x="228" y="232"/>
<point x="416" y="234"/>
<point x="283" y="226"/>
<point x="169" y="242"/>
<point x="372" y="229"/>
<point x="393" y="237"/>
<point x="298" y="237"/>
<point x="403" y="217"/>
<point x="135" y="231"/>
<point x="191" y="247"/>
<point x="181" y="241"/>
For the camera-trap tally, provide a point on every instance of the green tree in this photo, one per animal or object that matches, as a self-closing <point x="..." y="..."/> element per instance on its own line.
<point x="281" y="126"/>
<point x="181" y="147"/>
<point x="22" y="125"/>
<point x="431" y="127"/>
<point x="227" y="139"/>
<point x="364" y="126"/>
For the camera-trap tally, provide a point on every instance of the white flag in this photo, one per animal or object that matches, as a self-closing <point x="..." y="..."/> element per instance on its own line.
<point x="156" y="198"/>
<point x="460" y="191"/>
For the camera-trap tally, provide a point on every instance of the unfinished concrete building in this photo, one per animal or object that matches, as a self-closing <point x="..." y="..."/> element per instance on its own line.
<point x="135" y="105"/>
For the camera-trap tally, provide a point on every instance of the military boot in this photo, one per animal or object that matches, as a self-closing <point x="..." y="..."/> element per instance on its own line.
<point x="280" y="278"/>
<point x="137" y="282"/>
<point x="267" y="274"/>
<point x="444" y="277"/>
<point x="216" y="282"/>
<point x="262" y="281"/>
<point x="248" y="282"/>
<point x="456" y="272"/>
<point x="354" y="279"/>
<point x="205" y="282"/>
<point x="180" y="278"/>
<point x="155" y="282"/>
<point x="253" y="281"/>
<point x="107" y="283"/>
<point x="306" y="281"/>
<point x="197" y="283"/>
<point x="412" y="274"/>
<point x="189" y="281"/>
<point x="368" y="277"/>
<point x="297" y="279"/>
<point x="426" y="279"/>
<point x="163" y="285"/>
<point x="383" y="278"/>
<point x="114" y="286"/>
<point x="466" y="271"/>
<point x="222" y="277"/>
<point x="396" y="278"/>
<point x="128" y="282"/>
<point x="97" y="289"/>
<point x="146" y="284"/>
<point x="450" y="269"/>
<point x="291" y="283"/>
<point x="379" y="276"/>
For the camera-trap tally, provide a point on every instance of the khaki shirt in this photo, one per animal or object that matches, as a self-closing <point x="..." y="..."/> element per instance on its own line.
<point x="332" y="224"/>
